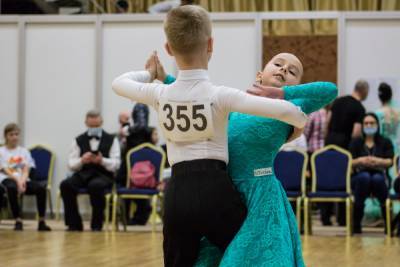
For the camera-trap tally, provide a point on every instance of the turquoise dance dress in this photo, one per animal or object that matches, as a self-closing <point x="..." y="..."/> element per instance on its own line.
<point x="269" y="236"/>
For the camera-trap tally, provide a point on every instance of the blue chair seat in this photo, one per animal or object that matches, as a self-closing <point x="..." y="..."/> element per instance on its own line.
<point x="394" y="196"/>
<point x="326" y="194"/>
<point x="293" y="193"/>
<point x="136" y="191"/>
<point x="82" y="191"/>
<point x="85" y="191"/>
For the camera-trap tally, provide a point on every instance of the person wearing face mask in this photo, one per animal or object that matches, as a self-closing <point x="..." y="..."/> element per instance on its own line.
<point x="94" y="158"/>
<point x="372" y="156"/>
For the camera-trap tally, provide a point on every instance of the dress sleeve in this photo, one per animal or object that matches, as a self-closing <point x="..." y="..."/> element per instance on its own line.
<point x="169" y="79"/>
<point x="311" y="96"/>
<point x="135" y="86"/>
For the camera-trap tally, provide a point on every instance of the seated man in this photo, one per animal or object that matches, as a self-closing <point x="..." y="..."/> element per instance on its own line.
<point x="16" y="171"/>
<point x="94" y="158"/>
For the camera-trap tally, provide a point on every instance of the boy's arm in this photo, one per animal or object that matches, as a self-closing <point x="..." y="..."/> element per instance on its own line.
<point x="236" y="100"/>
<point x="135" y="86"/>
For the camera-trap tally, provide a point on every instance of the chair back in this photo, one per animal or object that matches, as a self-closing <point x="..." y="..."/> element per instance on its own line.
<point x="44" y="161"/>
<point x="290" y="168"/>
<point x="331" y="169"/>
<point x="145" y="152"/>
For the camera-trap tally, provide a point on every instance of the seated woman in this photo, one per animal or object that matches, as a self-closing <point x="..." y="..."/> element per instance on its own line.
<point x="372" y="156"/>
<point x="16" y="164"/>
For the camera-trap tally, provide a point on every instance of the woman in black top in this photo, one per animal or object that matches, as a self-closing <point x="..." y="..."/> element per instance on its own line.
<point x="372" y="156"/>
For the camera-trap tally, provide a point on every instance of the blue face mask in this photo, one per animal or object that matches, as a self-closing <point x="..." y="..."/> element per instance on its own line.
<point x="94" y="131"/>
<point x="370" y="130"/>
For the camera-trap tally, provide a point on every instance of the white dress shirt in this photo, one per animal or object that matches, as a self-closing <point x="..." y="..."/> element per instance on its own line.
<point x="195" y="86"/>
<point x="111" y="163"/>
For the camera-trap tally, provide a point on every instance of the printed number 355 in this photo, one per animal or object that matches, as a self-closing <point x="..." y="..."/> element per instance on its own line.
<point x="184" y="119"/>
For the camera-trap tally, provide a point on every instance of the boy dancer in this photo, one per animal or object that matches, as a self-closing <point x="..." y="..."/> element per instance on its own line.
<point x="200" y="199"/>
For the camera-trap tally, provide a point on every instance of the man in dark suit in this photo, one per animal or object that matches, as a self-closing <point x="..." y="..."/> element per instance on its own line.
<point x="94" y="159"/>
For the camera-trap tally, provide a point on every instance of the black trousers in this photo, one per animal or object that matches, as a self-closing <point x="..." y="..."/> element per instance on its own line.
<point x="2" y="193"/>
<point x="32" y="188"/>
<point x="200" y="201"/>
<point x="143" y="210"/>
<point x="363" y="185"/>
<point x="396" y="185"/>
<point x="97" y="184"/>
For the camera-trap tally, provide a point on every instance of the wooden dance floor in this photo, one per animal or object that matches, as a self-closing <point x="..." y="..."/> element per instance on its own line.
<point x="328" y="247"/>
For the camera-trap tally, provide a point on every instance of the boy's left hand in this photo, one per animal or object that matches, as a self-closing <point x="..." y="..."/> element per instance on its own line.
<point x="266" y="91"/>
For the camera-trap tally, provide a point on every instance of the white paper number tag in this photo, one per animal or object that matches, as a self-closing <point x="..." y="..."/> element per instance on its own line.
<point x="186" y="121"/>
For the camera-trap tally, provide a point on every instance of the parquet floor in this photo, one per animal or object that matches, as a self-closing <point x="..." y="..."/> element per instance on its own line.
<point x="328" y="247"/>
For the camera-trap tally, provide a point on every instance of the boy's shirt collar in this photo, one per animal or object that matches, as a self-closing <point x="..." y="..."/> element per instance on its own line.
<point x="196" y="74"/>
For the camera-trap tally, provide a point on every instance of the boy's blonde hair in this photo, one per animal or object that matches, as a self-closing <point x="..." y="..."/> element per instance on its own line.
<point x="187" y="28"/>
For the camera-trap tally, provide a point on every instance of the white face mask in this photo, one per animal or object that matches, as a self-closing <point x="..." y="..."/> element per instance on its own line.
<point x="94" y="131"/>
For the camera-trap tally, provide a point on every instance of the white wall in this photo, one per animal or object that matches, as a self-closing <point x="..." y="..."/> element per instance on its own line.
<point x="127" y="45"/>
<point x="372" y="53"/>
<point x="60" y="76"/>
<point x="8" y="75"/>
<point x="234" y="59"/>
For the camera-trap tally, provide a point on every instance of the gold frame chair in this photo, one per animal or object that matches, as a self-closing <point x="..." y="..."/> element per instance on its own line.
<point x="117" y="197"/>
<point x="299" y="199"/>
<point x="348" y="200"/>
<point x="50" y="173"/>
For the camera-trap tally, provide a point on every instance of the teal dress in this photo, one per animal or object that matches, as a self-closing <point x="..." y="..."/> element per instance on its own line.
<point x="269" y="235"/>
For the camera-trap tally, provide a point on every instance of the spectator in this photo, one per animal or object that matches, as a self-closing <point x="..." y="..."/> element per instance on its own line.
<point x="123" y="120"/>
<point x="154" y="135"/>
<point x="17" y="177"/>
<point x="315" y="130"/>
<point x="344" y="123"/>
<point x="372" y="156"/>
<point x="94" y="157"/>
<point x="138" y="134"/>
<point x="389" y="117"/>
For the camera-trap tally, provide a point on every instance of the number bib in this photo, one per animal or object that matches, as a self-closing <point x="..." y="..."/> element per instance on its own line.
<point x="186" y="121"/>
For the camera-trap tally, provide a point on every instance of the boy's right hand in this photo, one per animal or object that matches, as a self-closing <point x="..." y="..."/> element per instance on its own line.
<point x="151" y="66"/>
<point x="161" y="75"/>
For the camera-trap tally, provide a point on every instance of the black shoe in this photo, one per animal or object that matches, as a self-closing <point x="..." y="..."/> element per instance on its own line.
<point x="327" y="223"/>
<point x="357" y="230"/>
<point x="18" y="226"/>
<point x="134" y="221"/>
<point x="96" y="229"/>
<point x="75" y="228"/>
<point x="43" y="227"/>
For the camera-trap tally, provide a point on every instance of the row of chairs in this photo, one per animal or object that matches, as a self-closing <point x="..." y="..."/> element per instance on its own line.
<point x="44" y="159"/>
<point x="330" y="182"/>
<point x="331" y="176"/>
